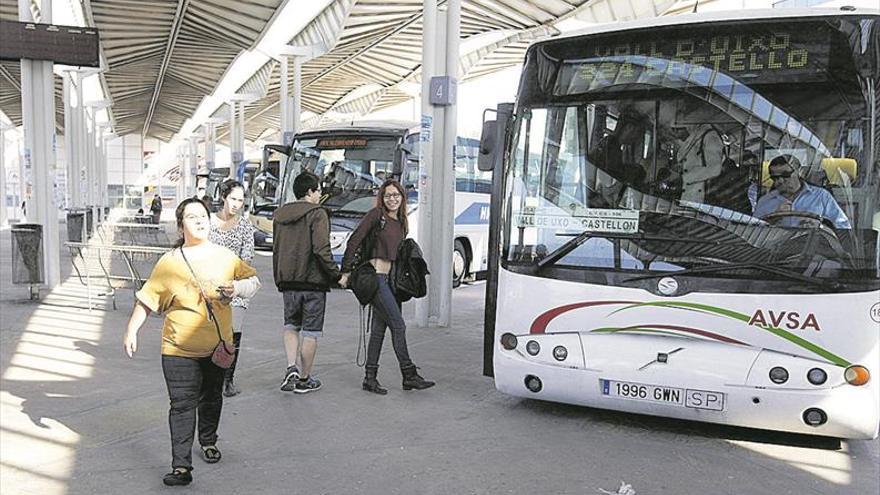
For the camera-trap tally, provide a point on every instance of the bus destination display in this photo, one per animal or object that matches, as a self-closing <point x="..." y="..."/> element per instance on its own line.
<point x="757" y="57"/>
<point x="341" y="142"/>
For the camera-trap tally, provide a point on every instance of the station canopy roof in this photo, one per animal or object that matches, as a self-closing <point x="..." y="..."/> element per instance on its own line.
<point x="163" y="57"/>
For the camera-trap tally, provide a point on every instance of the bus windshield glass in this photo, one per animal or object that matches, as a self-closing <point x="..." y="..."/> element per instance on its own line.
<point x="743" y="150"/>
<point x="349" y="167"/>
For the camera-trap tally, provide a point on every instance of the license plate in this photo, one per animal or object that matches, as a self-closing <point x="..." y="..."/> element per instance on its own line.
<point x="674" y="396"/>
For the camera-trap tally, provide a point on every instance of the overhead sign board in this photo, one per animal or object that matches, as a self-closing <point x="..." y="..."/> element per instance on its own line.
<point x="66" y="45"/>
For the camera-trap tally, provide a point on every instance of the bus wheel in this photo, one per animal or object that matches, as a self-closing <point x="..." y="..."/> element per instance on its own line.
<point x="460" y="263"/>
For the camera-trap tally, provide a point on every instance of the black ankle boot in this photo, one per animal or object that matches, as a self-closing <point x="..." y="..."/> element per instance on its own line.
<point x="412" y="380"/>
<point x="229" y="387"/>
<point x="371" y="384"/>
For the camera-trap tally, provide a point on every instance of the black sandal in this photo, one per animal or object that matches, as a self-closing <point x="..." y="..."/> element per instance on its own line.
<point x="178" y="477"/>
<point x="211" y="454"/>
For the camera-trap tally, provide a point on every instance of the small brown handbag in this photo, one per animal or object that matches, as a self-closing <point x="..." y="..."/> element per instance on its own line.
<point x="224" y="353"/>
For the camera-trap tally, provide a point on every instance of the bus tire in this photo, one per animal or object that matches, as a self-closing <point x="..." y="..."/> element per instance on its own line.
<point x="460" y="263"/>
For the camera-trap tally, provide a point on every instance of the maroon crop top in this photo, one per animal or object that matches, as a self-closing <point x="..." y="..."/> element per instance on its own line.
<point x="388" y="238"/>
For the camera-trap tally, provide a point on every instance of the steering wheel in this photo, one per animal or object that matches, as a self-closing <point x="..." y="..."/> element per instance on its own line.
<point x="832" y="238"/>
<point x="775" y="217"/>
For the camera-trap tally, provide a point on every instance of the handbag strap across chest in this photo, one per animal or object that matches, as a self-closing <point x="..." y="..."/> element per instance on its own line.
<point x="204" y="296"/>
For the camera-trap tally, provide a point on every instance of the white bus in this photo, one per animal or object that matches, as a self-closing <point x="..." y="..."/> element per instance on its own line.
<point x="631" y="267"/>
<point x="352" y="160"/>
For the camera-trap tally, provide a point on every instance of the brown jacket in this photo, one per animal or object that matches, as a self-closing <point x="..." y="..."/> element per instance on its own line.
<point x="301" y="257"/>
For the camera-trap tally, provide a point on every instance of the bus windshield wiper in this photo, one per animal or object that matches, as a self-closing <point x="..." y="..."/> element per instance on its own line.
<point x="775" y="270"/>
<point x="583" y="237"/>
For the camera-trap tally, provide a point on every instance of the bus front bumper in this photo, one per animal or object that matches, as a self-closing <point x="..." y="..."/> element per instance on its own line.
<point x="849" y="411"/>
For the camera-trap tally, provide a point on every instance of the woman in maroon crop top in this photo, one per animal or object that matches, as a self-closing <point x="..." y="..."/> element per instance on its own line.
<point x="388" y="220"/>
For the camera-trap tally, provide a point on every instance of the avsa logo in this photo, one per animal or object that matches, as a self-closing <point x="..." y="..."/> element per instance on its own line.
<point x="791" y="320"/>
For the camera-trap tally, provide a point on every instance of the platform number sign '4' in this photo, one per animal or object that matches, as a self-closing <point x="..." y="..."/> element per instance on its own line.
<point x="443" y="90"/>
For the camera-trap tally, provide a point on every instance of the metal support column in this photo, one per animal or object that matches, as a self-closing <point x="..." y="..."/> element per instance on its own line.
<point x="181" y="160"/>
<point x="91" y="145"/>
<point x="80" y="144"/>
<point x="444" y="167"/>
<point x="233" y="171"/>
<point x="38" y="117"/>
<point x="296" y="118"/>
<point x="4" y="216"/>
<point x="105" y="135"/>
<point x="69" y="159"/>
<point x="285" y="103"/>
<point x="97" y="163"/>
<point x="237" y="153"/>
<point x="426" y="147"/>
<point x="210" y="141"/>
<point x="436" y="164"/>
<point x="192" y="169"/>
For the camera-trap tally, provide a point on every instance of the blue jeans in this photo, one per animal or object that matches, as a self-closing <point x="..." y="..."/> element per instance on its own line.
<point x="194" y="385"/>
<point x="387" y="314"/>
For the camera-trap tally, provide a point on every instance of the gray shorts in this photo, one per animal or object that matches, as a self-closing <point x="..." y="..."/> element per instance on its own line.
<point x="304" y="311"/>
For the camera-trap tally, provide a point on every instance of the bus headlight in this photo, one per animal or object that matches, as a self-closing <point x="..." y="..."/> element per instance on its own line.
<point x="856" y="375"/>
<point x="560" y="353"/>
<point x="817" y="376"/>
<point x="508" y="341"/>
<point x="533" y="347"/>
<point x="778" y="375"/>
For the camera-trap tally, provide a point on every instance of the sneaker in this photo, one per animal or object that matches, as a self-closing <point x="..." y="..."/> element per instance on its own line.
<point x="310" y="384"/>
<point x="290" y="379"/>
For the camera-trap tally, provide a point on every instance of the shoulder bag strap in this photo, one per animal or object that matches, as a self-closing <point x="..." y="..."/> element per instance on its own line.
<point x="369" y="245"/>
<point x="204" y="296"/>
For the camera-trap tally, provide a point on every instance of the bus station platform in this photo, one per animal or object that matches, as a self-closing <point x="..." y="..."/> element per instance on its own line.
<point x="79" y="417"/>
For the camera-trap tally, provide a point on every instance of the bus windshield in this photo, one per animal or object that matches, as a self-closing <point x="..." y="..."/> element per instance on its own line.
<point x="697" y="154"/>
<point x="349" y="167"/>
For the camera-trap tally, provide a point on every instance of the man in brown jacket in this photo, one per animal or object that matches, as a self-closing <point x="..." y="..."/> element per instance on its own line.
<point x="304" y="271"/>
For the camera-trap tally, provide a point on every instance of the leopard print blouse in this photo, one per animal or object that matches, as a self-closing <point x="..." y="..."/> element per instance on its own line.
<point x="239" y="239"/>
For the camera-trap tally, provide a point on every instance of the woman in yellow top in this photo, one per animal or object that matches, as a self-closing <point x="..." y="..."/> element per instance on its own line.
<point x="188" y="335"/>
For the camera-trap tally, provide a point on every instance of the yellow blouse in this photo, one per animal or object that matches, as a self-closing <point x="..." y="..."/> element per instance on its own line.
<point x="171" y="289"/>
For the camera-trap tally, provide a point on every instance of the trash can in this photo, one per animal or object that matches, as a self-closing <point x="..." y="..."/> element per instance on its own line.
<point x="27" y="254"/>
<point x="75" y="224"/>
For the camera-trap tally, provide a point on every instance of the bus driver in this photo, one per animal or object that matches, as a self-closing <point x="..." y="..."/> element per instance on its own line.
<point x="791" y="194"/>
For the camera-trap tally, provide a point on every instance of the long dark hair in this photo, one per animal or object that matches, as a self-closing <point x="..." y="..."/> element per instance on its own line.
<point x="401" y="212"/>
<point x="228" y="185"/>
<point x="178" y="214"/>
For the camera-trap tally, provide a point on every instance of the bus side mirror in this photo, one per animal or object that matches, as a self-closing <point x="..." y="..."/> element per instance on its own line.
<point x="486" y="158"/>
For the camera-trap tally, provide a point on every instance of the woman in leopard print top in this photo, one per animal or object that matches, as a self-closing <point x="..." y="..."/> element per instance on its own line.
<point x="230" y="229"/>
